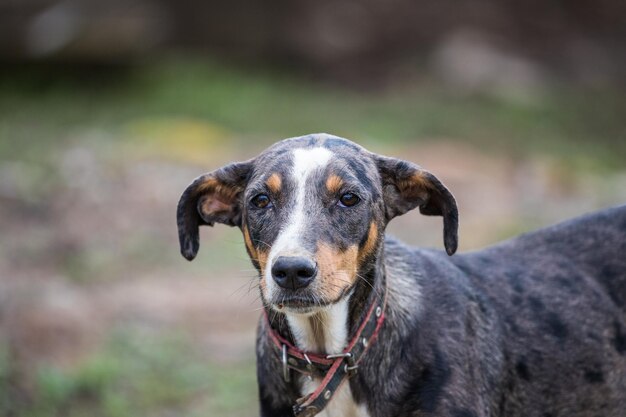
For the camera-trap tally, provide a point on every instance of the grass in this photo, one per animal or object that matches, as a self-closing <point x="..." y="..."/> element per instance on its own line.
<point x="40" y="109"/>
<point x="138" y="374"/>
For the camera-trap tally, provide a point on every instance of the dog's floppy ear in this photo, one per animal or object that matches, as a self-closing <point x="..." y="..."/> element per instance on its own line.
<point x="406" y="186"/>
<point x="212" y="197"/>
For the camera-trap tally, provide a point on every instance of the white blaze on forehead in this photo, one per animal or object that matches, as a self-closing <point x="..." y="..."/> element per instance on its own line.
<point x="305" y="162"/>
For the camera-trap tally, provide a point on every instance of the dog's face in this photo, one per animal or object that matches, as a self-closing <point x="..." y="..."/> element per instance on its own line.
<point x="312" y="211"/>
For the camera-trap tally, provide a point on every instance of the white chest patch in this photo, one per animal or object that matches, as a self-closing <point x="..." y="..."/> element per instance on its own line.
<point x="332" y="330"/>
<point x="324" y="332"/>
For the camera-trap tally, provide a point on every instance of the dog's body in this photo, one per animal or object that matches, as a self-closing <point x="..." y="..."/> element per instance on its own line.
<point x="532" y="327"/>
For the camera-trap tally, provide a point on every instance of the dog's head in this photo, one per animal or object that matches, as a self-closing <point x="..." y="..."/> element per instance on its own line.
<point x="313" y="211"/>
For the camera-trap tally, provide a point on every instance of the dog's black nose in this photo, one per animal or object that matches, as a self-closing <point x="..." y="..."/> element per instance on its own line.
<point x="291" y="272"/>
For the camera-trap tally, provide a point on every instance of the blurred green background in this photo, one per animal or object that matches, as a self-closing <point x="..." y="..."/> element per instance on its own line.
<point x="104" y="122"/>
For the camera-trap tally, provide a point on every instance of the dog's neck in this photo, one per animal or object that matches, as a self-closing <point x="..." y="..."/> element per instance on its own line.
<point x="329" y="330"/>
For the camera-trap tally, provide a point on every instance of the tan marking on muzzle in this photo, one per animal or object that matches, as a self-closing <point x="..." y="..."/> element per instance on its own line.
<point x="334" y="183"/>
<point x="274" y="183"/>
<point x="262" y="261"/>
<point x="257" y="255"/>
<point x="337" y="270"/>
<point x="262" y="255"/>
<point x="370" y="243"/>
<point x="248" y="241"/>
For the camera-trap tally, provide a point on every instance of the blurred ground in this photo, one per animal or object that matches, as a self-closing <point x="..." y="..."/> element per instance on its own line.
<point x="100" y="316"/>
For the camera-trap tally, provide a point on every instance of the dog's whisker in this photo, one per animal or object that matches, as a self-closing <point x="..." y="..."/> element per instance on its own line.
<point x="248" y="282"/>
<point x="253" y="310"/>
<point x="377" y="291"/>
<point x="264" y="243"/>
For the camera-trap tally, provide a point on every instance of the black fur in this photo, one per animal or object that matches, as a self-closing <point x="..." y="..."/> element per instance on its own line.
<point x="531" y="327"/>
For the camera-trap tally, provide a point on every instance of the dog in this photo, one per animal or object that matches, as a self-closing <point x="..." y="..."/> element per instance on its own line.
<point x="356" y="323"/>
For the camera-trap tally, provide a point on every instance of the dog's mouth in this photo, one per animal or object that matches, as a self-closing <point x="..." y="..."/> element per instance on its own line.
<point x="300" y="304"/>
<point x="305" y="302"/>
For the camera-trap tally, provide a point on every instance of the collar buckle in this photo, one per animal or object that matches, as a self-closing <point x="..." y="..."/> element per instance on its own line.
<point x="350" y="367"/>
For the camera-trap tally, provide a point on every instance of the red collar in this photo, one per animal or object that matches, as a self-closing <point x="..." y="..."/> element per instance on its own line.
<point x="329" y="367"/>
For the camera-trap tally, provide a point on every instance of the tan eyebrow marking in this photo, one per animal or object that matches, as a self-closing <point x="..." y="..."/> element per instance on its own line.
<point x="334" y="183"/>
<point x="274" y="183"/>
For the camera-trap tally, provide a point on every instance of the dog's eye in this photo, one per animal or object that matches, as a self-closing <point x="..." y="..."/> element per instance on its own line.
<point x="261" y="201"/>
<point x="348" y="200"/>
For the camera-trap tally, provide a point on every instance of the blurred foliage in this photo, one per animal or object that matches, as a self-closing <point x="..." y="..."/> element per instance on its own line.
<point x="147" y="375"/>
<point x="204" y="101"/>
<point x="5" y="380"/>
